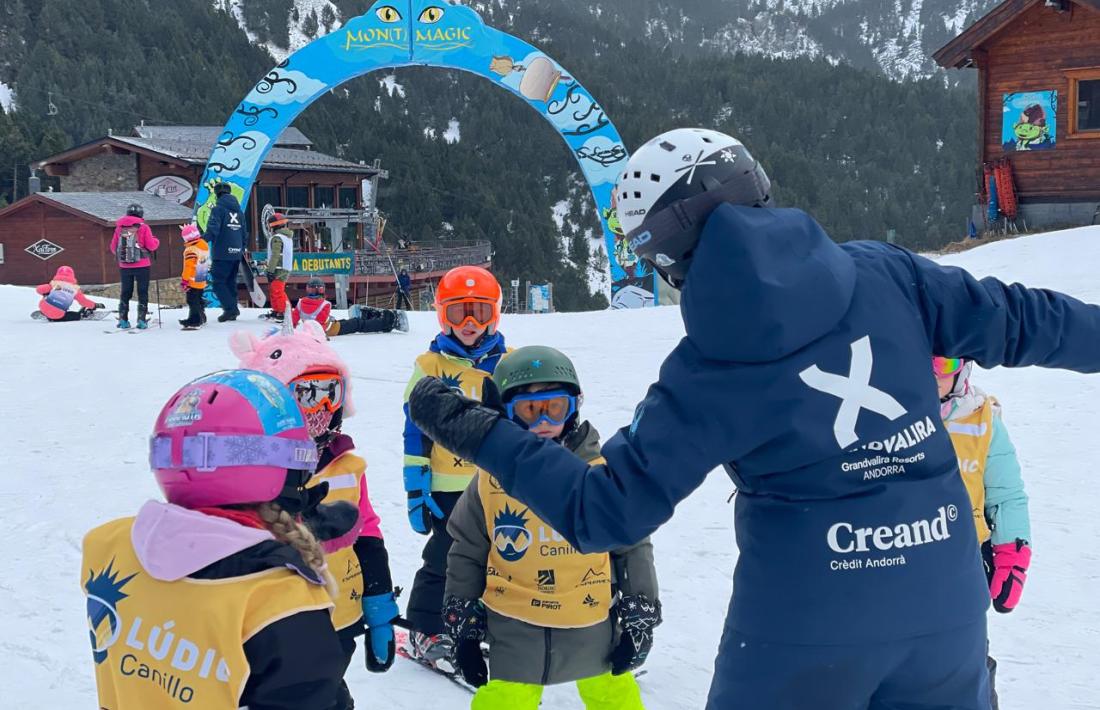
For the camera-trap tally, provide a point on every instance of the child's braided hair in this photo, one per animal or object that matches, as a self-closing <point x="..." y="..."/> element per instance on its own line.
<point x="287" y="529"/>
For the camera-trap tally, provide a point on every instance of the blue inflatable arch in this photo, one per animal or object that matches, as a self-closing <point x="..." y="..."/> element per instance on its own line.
<point x="397" y="33"/>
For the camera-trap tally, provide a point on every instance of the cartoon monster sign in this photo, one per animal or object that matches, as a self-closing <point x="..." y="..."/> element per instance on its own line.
<point x="1030" y="121"/>
<point x="396" y="33"/>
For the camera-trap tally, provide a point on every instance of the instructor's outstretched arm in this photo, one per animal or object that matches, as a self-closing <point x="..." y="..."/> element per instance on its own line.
<point x="995" y="323"/>
<point x="675" y="441"/>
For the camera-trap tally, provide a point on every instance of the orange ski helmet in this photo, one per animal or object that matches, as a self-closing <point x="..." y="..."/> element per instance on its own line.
<point x="468" y="293"/>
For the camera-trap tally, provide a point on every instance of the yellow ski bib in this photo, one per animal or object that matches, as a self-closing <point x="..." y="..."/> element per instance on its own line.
<point x="177" y="644"/>
<point x="344" y="476"/>
<point x="972" y="436"/>
<point x="534" y="574"/>
<point x="450" y="473"/>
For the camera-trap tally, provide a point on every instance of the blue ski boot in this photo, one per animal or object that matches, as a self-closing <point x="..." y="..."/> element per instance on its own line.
<point x="123" y="324"/>
<point x="142" y="324"/>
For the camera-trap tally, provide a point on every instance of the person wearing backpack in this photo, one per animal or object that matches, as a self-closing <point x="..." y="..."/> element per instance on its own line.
<point x="132" y="244"/>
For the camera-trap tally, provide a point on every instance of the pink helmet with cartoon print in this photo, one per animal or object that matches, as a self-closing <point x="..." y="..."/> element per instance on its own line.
<point x="229" y="437"/>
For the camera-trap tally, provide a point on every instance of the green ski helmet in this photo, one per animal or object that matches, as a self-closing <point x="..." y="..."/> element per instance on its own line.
<point x="535" y="364"/>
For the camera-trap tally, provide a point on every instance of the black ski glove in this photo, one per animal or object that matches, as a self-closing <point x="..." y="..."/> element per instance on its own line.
<point x="453" y="420"/>
<point x="464" y="620"/>
<point x="637" y="616"/>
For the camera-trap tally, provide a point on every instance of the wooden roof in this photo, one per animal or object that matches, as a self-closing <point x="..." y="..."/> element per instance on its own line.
<point x="184" y="152"/>
<point x="104" y="208"/>
<point x="959" y="52"/>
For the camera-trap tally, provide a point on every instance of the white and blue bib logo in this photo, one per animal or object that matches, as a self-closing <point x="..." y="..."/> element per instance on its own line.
<point x="104" y="592"/>
<point x="510" y="534"/>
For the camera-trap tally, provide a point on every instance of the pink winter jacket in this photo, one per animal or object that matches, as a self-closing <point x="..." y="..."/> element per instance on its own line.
<point x="66" y="293"/>
<point x="145" y="240"/>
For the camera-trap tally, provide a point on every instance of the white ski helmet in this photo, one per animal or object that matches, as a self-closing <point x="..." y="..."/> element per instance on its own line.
<point x="673" y="183"/>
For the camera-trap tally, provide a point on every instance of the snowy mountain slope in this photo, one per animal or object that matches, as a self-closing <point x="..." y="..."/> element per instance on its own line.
<point x="78" y="405"/>
<point x="896" y="37"/>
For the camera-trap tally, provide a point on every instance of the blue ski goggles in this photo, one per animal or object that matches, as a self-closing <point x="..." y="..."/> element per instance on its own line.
<point x="553" y="407"/>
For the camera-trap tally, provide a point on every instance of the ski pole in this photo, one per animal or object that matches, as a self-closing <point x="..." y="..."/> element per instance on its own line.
<point x="156" y="285"/>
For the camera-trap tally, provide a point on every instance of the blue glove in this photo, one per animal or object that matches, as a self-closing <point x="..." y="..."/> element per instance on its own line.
<point x="379" y="611"/>
<point x="418" y="484"/>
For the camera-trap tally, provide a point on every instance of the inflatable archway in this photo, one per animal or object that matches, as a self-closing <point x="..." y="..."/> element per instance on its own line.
<point x="396" y="33"/>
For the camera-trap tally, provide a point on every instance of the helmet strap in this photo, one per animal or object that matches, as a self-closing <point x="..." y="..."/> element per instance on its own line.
<point x="295" y="497"/>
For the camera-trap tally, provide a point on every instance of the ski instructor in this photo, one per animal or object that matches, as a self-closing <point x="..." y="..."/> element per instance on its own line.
<point x="225" y="234"/>
<point x="804" y="373"/>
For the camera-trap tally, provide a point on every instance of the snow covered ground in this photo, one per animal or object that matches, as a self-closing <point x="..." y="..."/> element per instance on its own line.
<point x="77" y="406"/>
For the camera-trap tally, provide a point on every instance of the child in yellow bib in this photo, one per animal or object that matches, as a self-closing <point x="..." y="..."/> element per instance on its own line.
<point x="550" y="613"/>
<point x="991" y="472"/>
<point x="346" y="523"/>
<point x="218" y="598"/>
<point x="463" y="355"/>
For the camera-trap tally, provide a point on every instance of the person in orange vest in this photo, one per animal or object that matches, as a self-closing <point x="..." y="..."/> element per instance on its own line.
<point x="196" y="265"/>
<point x="991" y="472"/>
<point x="550" y="614"/>
<point x="218" y="597"/>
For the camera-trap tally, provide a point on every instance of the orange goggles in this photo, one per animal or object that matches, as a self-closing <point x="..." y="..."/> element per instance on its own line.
<point x="314" y="392"/>
<point x="481" y="313"/>
<point x="554" y="407"/>
<point x="947" y="366"/>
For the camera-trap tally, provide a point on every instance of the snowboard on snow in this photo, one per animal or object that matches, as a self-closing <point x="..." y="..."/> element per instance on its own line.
<point x="98" y="314"/>
<point x="255" y="292"/>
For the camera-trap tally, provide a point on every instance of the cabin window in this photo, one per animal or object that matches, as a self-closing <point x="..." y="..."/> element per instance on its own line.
<point x="324" y="196"/>
<point x="297" y="196"/>
<point x="1088" y="105"/>
<point x="269" y="195"/>
<point x="1084" y="103"/>
<point x="349" y="198"/>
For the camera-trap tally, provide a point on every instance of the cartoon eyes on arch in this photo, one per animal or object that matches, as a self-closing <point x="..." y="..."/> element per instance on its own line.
<point x="388" y="13"/>
<point x="431" y="15"/>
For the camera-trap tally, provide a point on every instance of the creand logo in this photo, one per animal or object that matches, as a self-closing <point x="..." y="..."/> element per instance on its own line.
<point x="845" y="538"/>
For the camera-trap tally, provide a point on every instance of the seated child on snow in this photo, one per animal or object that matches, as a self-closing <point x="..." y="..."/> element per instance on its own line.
<point x="349" y="531"/>
<point x="549" y="613"/>
<point x="991" y="472"/>
<point x="219" y="592"/>
<point x="361" y="319"/>
<point x="60" y="293"/>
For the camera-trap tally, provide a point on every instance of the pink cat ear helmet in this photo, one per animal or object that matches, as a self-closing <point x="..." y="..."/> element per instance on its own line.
<point x="229" y="438"/>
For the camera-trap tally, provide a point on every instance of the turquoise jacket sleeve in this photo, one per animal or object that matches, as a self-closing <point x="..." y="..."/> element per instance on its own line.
<point x="1005" y="499"/>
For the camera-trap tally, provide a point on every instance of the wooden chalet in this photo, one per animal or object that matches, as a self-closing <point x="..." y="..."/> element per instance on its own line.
<point x="1038" y="64"/>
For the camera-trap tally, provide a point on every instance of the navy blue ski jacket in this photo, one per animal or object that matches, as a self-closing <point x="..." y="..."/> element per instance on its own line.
<point x="225" y="230"/>
<point x="806" y="373"/>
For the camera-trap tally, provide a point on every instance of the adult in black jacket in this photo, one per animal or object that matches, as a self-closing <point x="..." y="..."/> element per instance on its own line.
<point x="225" y="233"/>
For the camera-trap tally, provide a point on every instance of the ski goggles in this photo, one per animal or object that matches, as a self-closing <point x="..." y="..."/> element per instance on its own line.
<point x="947" y="366"/>
<point x="554" y="407"/>
<point x="315" y="291"/>
<point x="481" y="313"/>
<point x="316" y="391"/>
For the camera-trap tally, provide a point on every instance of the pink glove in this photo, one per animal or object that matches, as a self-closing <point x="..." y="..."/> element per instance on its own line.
<point x="184" y="286"/>
<point x="1010" y="563"/>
